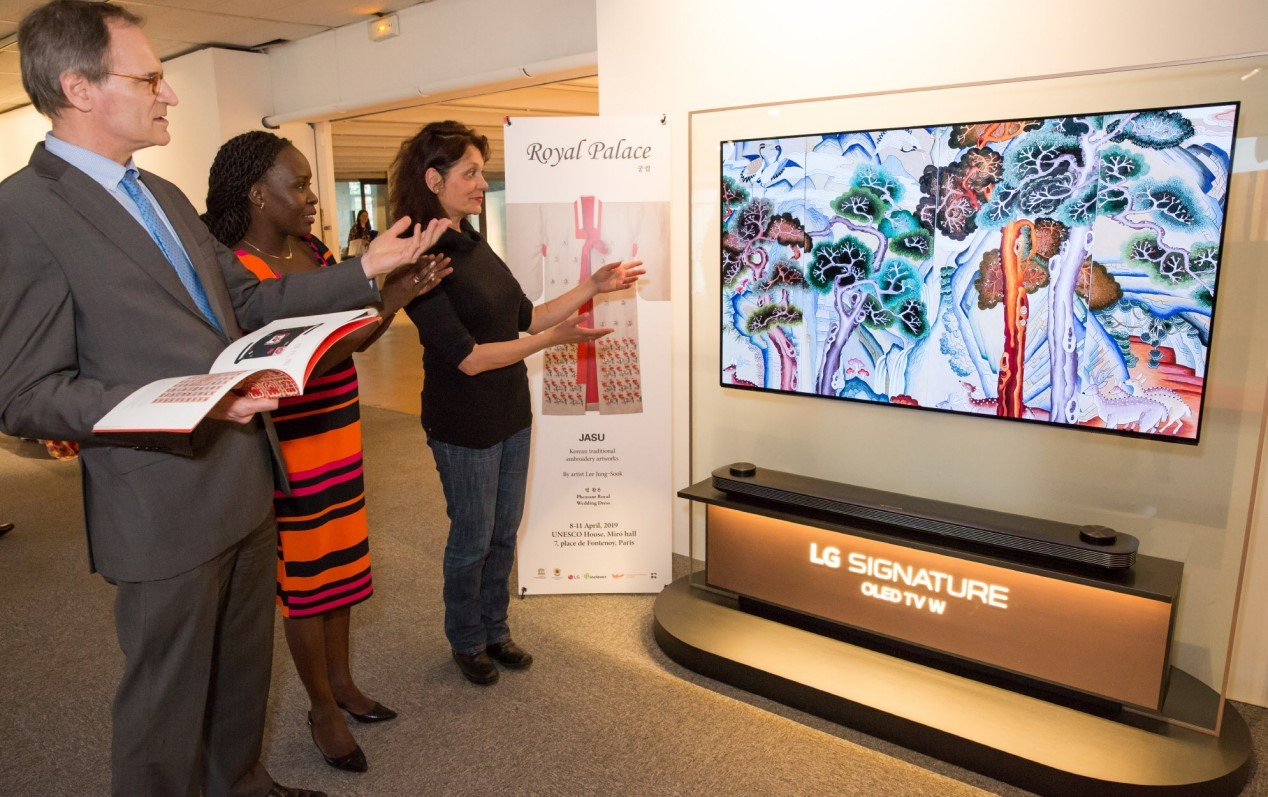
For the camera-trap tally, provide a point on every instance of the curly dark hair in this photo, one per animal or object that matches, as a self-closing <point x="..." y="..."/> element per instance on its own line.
<point x="437" y="146"/>
<point x="239" y="164"/>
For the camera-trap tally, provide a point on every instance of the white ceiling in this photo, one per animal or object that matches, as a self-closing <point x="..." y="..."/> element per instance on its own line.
<point x="364" y="146"/>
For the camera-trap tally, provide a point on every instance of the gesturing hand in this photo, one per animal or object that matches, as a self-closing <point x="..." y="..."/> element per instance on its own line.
<point x="409" y="282"/>
<point x="389" y="252"/>
<point x="572" y="331"/>
<point x="617" y="276"/>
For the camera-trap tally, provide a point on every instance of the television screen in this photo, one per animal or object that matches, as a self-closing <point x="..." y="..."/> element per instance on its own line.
<point x="1055" y="270"/>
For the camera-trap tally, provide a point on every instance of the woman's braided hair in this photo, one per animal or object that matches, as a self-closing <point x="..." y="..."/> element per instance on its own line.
<point x="240" y="164"/>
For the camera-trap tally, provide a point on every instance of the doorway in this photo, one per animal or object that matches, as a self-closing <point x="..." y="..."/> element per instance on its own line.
<point x="354" y="196"/>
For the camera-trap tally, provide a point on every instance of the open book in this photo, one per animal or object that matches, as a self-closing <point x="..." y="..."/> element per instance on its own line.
<point x="275" y="361"/>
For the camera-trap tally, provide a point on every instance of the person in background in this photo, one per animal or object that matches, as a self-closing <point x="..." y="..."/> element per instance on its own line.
<point x="111" y="282"/>
<point x="475" y="400"/>
<point x="260" y="203"/>
<point x="361" y="234"/>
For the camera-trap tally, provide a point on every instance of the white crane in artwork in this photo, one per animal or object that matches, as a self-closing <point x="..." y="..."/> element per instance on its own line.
<point x="756" y="163"/>
<point x="781" y="169"/>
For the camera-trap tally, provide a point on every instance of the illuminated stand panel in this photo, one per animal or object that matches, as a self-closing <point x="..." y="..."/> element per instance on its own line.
<point x="1108" y="639"/>
<point x="1095" y="640"/>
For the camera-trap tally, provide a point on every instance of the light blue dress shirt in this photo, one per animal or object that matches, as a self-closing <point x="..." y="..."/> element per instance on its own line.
<point x="108" y="173"/>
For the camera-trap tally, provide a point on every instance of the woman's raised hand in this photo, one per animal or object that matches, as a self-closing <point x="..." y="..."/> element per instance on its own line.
<point x="572" y="331"/>
<point x="389" y="251"/>
<point x="617" y="276"/>
<point x="408" y="283"/>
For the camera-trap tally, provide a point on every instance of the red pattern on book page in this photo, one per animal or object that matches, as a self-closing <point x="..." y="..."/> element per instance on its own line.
<point x="271" y="385"/>
<point x="196" y="389"/>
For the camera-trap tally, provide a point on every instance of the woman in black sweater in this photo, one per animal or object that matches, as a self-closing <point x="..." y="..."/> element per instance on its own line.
<point x="476" y="410"/>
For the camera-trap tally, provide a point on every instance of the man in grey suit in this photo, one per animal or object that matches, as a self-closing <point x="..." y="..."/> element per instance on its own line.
<point x="108" y="282"/>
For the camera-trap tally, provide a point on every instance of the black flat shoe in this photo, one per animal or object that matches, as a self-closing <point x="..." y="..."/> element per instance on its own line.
<point x="477" y="667"/>
<point x="379" y="713"/>
<point x="348" y="762"/>
<point x="509" y="654"/>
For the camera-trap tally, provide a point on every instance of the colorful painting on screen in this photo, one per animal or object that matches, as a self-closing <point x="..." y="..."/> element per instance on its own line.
<point x="1057" y="270"/>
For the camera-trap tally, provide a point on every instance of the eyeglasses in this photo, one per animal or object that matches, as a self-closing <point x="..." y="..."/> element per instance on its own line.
<point x="155" y="79"/>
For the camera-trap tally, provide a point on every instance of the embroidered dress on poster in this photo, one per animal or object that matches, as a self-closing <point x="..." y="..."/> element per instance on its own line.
<point x="561" y="245"/>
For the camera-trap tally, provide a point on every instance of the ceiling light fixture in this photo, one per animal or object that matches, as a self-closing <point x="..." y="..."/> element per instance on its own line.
<point x="1251" y="74"/>
<point x="384" y="27"/>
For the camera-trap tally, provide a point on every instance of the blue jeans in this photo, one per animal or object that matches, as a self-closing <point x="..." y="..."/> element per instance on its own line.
<point x="484" y="496"/>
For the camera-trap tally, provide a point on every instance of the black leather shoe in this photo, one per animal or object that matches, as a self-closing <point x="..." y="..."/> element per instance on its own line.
<point x="509" y="654"/>
<point x="5" y="528"/>
<point x="477" y="667"/>
<point x="279" y="790"/>
<point x="348" y="762"/>
<point x="379" y="713"/>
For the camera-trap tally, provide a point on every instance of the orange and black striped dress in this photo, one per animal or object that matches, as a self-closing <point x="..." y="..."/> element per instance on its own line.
<point x="323" y="551"/>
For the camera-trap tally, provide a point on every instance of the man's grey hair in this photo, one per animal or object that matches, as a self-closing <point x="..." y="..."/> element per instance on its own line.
<point x="62" y="36"/>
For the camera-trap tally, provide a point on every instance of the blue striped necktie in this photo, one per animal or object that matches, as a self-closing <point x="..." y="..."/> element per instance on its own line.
<point x="167" y="242"/>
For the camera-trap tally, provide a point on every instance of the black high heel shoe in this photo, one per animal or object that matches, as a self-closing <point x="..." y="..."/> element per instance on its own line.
<point x="378" y="713"/>
<point x="349" y="762"/>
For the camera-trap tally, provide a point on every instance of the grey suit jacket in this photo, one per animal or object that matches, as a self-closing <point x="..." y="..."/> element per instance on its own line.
<point x="90" y="310"/>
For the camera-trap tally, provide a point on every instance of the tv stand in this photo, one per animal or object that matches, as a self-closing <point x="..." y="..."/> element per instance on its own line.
<point x="880" y="612"/>
<point x="918" y="573"/>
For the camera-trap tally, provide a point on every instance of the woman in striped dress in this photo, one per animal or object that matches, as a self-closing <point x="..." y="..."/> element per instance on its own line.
<point x="260" y="203"/>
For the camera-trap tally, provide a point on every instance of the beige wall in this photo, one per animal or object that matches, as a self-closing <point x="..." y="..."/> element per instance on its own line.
<point x="19" y="132"/>
<point x="220" y="94"/>
<point x="720" y="53"/>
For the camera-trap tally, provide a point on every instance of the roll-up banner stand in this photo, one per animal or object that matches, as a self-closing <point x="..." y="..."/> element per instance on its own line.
<point x="582" y="192"/>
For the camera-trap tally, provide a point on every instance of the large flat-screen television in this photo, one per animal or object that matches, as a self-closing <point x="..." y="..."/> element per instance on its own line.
<point x="1059" y="270"/>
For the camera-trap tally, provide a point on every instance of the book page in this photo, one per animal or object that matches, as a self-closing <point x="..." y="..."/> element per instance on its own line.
<point x="273" y="362"/>
<point x="178" y="404"/>
<point x="289" y="344"/>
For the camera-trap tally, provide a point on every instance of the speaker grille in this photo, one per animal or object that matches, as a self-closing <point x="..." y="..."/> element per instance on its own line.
<point x="996" y="539"/>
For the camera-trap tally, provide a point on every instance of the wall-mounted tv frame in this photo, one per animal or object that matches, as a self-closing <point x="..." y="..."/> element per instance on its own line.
<point x="1059" y="270"/>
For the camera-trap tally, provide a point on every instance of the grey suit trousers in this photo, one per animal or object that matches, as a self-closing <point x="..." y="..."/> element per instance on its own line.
<point x="198" y="651"/>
